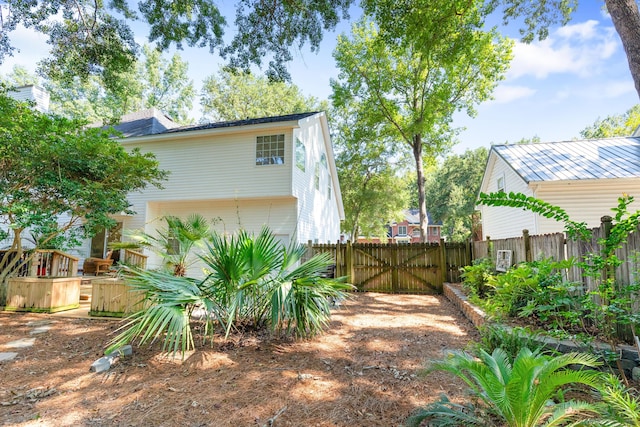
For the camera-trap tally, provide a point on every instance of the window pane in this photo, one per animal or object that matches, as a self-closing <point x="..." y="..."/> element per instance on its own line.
<point x="270" y="150"/>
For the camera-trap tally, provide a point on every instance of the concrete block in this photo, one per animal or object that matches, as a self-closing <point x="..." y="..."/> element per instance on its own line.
<point x="7" y="356"/>
<point x="105" y="362"/>
<point x="21" y="343"/>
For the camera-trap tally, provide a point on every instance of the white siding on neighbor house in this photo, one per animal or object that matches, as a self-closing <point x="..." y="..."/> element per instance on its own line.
<point x="503" y="222"/>
<point x="318" y="218"/>
<point x="227" y="216"/>
<point x="585" y="200"/>
<point x="32" y="93"/>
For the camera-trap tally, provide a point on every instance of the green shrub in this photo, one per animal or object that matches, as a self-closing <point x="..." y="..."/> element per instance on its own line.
<point x="476" y="276"/>
<point x="511" y="340"/>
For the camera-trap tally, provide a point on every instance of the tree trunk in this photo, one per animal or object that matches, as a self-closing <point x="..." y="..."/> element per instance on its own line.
<point x="626" y="18"/>
<point x="422" y="204"/>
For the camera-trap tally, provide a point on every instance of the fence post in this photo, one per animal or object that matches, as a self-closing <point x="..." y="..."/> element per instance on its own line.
<point x="348" y="262"/>
<point x="527" y="245"/>
<point x="606" y="223"/>
<point x="490" y="249"/>
<point x="443" y="264"/>
<point x="309" y="252"/>
<point x="394" y="268"/>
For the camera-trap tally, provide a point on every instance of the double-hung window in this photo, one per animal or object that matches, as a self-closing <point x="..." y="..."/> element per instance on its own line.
<point x="270" y="150"/>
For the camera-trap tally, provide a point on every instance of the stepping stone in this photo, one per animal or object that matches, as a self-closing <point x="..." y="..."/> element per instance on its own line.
<point x="40" y="330"/>
<point x="21" y="343"/>
<point x="39" y="322"/>
<point x="7" y="356"/>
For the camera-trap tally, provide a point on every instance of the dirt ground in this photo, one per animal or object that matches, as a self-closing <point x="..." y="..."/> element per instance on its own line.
<point x="365" y="371"/>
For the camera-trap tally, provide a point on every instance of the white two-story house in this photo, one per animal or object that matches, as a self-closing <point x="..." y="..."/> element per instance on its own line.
<point x="274" y="171"/>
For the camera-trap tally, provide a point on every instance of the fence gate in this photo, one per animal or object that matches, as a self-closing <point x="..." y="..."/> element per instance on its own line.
<point x="414" y="268"/>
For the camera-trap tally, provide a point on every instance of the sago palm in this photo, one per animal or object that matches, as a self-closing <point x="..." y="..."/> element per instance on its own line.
<point x="521" y="393"/>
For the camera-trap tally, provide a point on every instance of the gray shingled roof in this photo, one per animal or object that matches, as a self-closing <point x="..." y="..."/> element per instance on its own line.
<point x="245" y="122"/>
<point x="153" y="122"/>
<point x="413" y="217"/>
<point x="574" y="160"/>
<point x="145" y="122"/>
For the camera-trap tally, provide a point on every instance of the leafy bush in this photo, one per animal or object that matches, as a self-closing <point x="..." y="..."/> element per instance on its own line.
<point x="476" y="276"/>
<point x="510" y="340"/>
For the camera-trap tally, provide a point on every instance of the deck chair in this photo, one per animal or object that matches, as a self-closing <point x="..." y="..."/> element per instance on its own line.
<point x="97" y="266"/>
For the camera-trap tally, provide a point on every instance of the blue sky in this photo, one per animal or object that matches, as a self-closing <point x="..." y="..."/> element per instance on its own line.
<point x="554" y="88"/>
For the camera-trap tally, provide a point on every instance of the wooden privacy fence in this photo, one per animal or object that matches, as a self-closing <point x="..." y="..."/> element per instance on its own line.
<point x="396" y="268"/>
<point x="556" y="246"/>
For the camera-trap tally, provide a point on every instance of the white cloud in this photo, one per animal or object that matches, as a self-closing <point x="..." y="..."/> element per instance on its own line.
<point x="507" y="93"/>
<point x="580" y="49"/>
<point x="585" y="30"/>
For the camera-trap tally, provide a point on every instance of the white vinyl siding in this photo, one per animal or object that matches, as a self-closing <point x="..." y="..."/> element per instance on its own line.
<point x="586" y="201"/>
<point x="229" y="216"/>
<point x="583" y="200"/>
<point x="318" y="214"/>
<point x="216" y="168"/>
<point x="502" y="222"/>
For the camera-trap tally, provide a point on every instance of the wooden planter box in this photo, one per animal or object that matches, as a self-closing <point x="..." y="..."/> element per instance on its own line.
<point x="43" y="294"/>
<point x="114" y="298"/>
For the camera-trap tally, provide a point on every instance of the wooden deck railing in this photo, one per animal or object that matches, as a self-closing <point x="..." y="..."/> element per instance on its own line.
<point x="134" y="258"/>
<point x="44" y="263"/>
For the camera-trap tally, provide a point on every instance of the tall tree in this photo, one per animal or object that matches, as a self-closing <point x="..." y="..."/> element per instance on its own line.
<point x="452" y="191"/>
<point x="424" y="61"/>
<point x="154" y="82"/>
<point x="617" y="125"/>
<point x="19" y="76"/>
<point x="94" y="37"/>
<point x="233" y="96"/>
<point x="59" y="177"/>
<point x="373" y="193"/>
<point x="538" y="15"/>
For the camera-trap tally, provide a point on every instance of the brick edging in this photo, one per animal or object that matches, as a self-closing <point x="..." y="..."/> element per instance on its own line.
<point x="460" y="300"/>
<point x="628" y="354"/>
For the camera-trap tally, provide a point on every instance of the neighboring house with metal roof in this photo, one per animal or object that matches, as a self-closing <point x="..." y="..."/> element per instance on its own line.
<point x="275" y="171"/>
<point x="585" y="178"/>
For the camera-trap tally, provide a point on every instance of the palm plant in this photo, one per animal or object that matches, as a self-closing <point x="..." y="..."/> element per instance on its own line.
<point x="251" y="280"/>
<point x="175" y="244"/>
<point x="169" y="304"/>
<point x="519" y="394"/>
<point x="619" y="408"/>
<point x="259" y="281"/>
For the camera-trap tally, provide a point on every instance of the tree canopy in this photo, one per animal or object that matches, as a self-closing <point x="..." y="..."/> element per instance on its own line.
<point x="235" y="96"/>
<point x="373" y="193"/>
<point x="413" y="73"/>
<point x="154" y="82"/>
<point x="616" y="125"/>
<point x="57" y="176"/>
<point x="95" y="38"/>
<point x="452" y="190"/>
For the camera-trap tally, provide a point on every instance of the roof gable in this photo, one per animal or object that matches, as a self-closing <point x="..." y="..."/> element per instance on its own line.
<point x="574" y="160"/>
